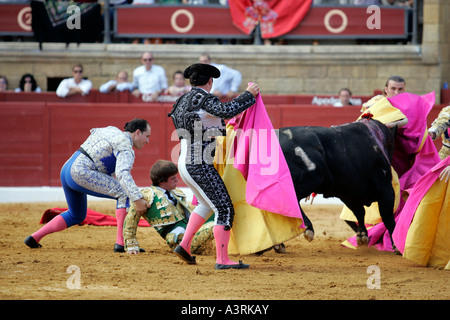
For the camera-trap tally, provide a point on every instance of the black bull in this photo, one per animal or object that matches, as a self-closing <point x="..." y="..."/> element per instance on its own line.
<point x="351" y="162"/>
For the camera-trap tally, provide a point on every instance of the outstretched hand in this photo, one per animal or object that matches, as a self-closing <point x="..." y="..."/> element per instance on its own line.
<point x="253" y="88"/>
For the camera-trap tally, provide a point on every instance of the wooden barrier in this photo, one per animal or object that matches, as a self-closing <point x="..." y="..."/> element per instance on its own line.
<point x="38" y="137"/>
<point x="95" y="96"/>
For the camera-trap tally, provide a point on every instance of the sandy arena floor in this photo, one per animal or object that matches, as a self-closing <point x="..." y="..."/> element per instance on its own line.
<point x="319" y="270"/>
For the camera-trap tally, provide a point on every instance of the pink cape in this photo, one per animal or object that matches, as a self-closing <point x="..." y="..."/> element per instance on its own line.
<point x="409" y="139"/>
<point x="258" y="156"/>
<point x="93" y="218"/>
<point x="408" y="148"/>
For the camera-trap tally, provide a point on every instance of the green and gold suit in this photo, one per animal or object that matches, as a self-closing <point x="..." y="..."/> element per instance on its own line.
<point x="169" y="220"/>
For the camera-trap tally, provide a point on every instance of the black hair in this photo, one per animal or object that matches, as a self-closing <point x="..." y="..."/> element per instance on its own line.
<point x="162" y="170"/>
<point x="396" y="79"/>
<point x="22" y="82"/>
<point x="6" y="80"/>
<point x="345" y="89"/>
<point x="136" y="124"/>
<point x="177" y="72"/>
<point x="197" y="79"/>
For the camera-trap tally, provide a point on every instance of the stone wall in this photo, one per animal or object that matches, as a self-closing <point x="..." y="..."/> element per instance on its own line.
<point x="296" y="69"/>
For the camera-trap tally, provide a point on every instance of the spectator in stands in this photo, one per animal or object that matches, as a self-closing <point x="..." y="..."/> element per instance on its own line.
<point x="179" y="86"/>
<point x="227" y="85"/>
<point x="3" y="84"/>
<point x="394" y="86"/>
<point x="149" y="79"/>
<point x="28" y="84"/>
<point x="119" y="84"/>
<point x="74" y="85"/>
<point x="119" y="2"/>
<point x="402" y="3"/>
<point x="138" y="2"/>
<point x="344" y="98"/>
<point x="367" y="2"/>
<point x="195" y="2"/>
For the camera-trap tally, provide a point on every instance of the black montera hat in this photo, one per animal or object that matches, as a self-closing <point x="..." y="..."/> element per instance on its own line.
<point x="202" y="69"/>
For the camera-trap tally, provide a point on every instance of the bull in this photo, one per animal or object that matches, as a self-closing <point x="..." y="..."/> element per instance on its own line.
<point x="351" y="162"/>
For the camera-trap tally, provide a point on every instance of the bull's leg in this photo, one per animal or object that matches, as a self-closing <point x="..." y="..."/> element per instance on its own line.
<point x="386" y="207"/>
<point x="352" y="225"/>
<point x="309" y="232"/>
<point x="362" y="237"/>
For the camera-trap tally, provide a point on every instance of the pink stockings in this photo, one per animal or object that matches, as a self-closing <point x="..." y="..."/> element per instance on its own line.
<point x="58" y="223"/>
<point x="121" y="213"/>
<point x="222" y="237"/>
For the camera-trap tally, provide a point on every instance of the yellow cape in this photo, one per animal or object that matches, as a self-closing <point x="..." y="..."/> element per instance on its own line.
<point x="253" y="229"/>
<point x="427" y="242"/>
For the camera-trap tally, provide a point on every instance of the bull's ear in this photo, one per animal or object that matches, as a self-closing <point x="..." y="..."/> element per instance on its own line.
<point x="397" y="124"/>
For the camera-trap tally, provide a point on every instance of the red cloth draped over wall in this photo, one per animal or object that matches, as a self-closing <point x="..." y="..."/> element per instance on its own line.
<point x="276" y="17"/>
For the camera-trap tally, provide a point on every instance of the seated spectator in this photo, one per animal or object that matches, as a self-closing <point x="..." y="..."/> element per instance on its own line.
<point x="28" y="84"/>
<point x="195" y="2"/>
<point x="179" y="86"/>
<point x="138" y="2"/>
<point x="3" y="84"/>
<point x="74" y="85"/>
<point x="175" y="91"/>
<point x="402" y="3"/>
<point x="149" y="79"/>
<point x="120" y="84"/>
<point x="344" y="98"/>
<point x="367" y="2"/>
<point x="227" y="85"/>
<point x="119" y="2"/>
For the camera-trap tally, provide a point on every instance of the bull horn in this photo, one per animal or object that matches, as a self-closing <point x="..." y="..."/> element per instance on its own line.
<point x="399" y="123"/>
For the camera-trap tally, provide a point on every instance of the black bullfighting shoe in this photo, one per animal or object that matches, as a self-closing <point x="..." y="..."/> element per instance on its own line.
<point x="240" y="265"/>
<point x="184" y="255"/>
<point x="29" y="241"/>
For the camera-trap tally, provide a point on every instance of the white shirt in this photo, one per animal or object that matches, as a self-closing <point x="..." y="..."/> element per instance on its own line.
<point x="229" y="80"/>
<point x="120" y="87"/>
<point x="66" y="84"/>
<point x="149" y="81"/>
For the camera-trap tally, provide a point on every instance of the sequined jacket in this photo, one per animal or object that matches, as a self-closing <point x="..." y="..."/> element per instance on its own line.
<point x="112" y="152"/>
<point x="161" y="213"/>
<point x="198" y="111"/>
<point x="440" y="126"/>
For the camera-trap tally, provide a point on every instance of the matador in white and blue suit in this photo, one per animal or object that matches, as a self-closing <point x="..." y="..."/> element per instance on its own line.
<point x="101" y="167"/>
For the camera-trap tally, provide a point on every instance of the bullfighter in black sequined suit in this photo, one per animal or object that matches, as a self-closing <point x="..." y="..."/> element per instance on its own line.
<point x="198" y="117"/>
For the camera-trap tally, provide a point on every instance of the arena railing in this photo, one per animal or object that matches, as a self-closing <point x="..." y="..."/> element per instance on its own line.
<point x="40" y="136"/>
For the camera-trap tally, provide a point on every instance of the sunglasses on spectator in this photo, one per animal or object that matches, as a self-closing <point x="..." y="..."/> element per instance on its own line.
<point x="78" y="71"/>
<point x="149" y="59"/>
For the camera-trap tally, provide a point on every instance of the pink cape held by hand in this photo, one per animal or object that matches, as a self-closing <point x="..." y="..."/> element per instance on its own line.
<point x="258" y="156"/>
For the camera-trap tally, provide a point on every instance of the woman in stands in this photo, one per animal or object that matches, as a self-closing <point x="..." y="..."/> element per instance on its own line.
<point x="28" y="84"/>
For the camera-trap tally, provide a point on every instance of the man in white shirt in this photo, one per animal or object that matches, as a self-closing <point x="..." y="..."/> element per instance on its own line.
<point x="120" y="84"/>
<point x="149" y="79"/>
<point x="344" y="98"/>
<point x="74" y="85"/>
<point x="227" y="85"/>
